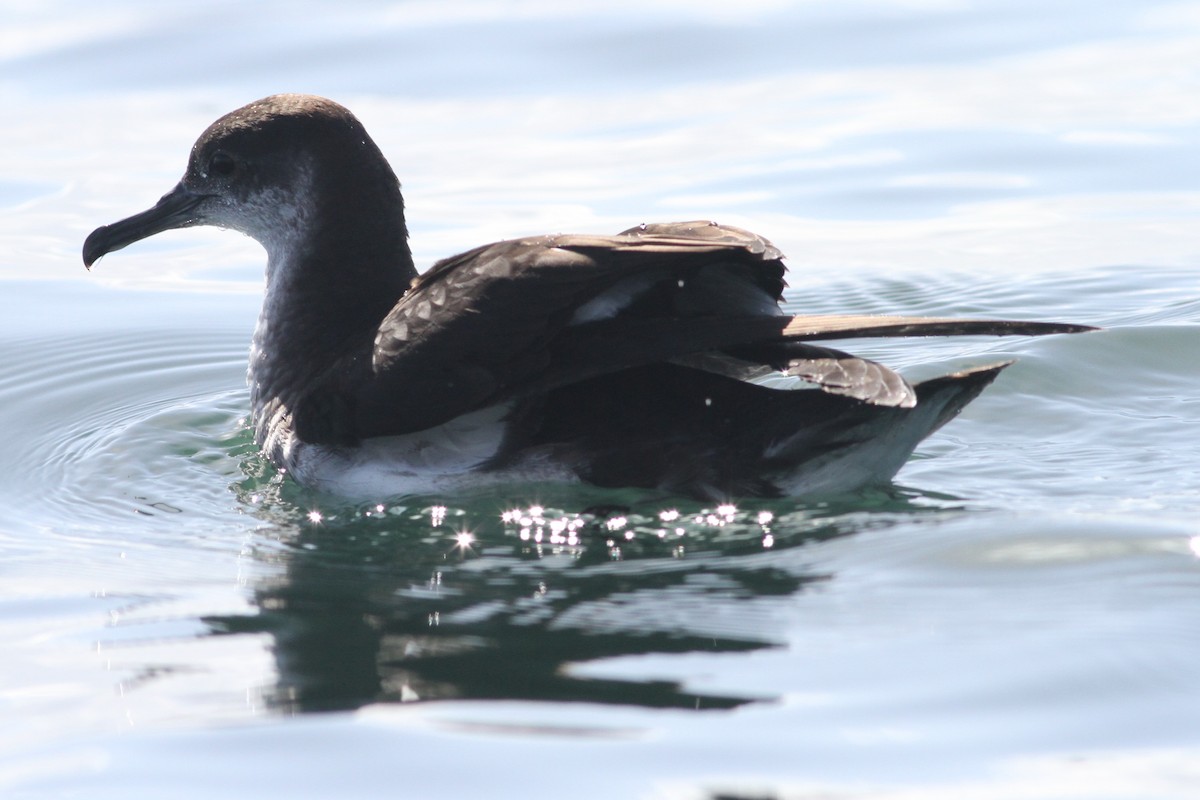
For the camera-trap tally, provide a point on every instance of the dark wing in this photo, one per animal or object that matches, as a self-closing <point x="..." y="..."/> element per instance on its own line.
<point x="855" y="326"/>
<point x="526" y="316"/>
<point x="779" y="342"/>
<point x="485" y="325"/>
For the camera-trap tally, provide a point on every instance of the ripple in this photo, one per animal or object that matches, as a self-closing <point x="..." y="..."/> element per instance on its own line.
<point x="1104" y="420"/>
<point x="120" y="425"/>
<point x="1105" y="296"/>
<point x="149" y="423"/>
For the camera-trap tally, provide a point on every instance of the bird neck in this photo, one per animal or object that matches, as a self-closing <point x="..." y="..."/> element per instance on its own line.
<point x="327" y="292"/>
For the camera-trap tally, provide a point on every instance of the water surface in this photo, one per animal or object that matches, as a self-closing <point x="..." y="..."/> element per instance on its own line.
<point x="1014" y="617"/>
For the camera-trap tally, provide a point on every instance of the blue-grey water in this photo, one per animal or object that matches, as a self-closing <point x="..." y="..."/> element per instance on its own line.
<point x="1016" y="617"/>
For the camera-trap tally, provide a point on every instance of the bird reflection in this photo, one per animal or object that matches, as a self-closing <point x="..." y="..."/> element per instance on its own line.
<point x="495" y="600"/>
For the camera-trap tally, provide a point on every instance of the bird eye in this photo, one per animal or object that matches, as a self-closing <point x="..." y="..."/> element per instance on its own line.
<point x="222" y="164"/>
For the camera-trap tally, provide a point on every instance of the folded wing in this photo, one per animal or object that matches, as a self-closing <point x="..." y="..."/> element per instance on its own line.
<point x="526" y="316"/>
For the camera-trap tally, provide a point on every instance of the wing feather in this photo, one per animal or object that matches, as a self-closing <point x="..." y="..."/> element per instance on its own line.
<point x="505" y="320"/>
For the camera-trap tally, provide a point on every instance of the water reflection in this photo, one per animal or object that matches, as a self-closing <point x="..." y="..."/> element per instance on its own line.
<point x="394" y="604"/>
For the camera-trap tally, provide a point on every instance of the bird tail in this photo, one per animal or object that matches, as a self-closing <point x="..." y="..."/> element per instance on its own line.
<point x="861" y="444"/>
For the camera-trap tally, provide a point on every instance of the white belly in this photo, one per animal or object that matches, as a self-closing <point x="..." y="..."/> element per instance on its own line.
<point x="438" y="459"/>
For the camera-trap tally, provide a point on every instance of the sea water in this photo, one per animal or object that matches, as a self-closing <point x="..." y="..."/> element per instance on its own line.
<point x="1014" y="617"/>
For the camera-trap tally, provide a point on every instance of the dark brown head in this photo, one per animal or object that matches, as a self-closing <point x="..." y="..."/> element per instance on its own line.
<point x="289" y="171"/>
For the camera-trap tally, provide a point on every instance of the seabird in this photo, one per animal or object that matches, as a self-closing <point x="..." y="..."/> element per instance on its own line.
<point x="647" y="359"/>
